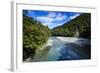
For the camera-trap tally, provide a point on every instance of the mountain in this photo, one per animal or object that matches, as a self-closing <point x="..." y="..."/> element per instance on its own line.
<point x="80" y="27"/>
<point x="35" y="35"/>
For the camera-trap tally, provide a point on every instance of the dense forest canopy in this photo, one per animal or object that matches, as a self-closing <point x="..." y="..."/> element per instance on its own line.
<point x="34" y="36"/>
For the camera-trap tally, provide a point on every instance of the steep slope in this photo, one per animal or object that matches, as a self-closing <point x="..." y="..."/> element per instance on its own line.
<point x="35" y="35"/>
<point x="80" y="27"/>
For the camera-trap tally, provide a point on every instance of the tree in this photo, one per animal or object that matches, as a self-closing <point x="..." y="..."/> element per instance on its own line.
<point x="35" y="35"/>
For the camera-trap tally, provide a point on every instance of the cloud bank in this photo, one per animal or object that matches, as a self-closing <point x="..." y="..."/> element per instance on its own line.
<point x="52" y="19"/>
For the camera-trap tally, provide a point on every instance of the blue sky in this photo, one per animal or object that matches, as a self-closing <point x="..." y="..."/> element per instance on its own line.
<point x="51" y="18"/>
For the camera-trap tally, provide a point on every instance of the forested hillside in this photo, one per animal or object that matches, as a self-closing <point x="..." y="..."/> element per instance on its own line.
<point x="35" y="35"/>
<point x="79" y="26"/>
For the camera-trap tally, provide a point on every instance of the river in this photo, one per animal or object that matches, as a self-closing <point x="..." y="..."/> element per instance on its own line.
<point x="64" y="48"/>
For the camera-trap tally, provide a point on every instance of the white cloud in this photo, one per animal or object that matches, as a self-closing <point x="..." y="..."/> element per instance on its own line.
<point x="44" y="19"/>
<point x="51" y="18"/>
<point x="51" y="14"/>
<point x="74" y="16"/>
<point x="60" y="17"/>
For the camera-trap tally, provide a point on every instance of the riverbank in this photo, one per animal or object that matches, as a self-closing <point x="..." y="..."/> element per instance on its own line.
<point x="63" y="48"/>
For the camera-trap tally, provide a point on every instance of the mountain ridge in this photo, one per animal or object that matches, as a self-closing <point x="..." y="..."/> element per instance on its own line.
<point x="82" y="24"/>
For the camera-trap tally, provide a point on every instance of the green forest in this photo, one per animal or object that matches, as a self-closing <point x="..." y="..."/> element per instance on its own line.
<point x="35" y="35"/>
<point x="80" y="24"/>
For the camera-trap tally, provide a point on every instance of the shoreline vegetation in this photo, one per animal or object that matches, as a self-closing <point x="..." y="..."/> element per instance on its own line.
<point x="76" y="46"/>
<point x="36" y="35"/>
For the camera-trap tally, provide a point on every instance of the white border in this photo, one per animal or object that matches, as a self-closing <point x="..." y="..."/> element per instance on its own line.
<point x="17" y="37"/>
